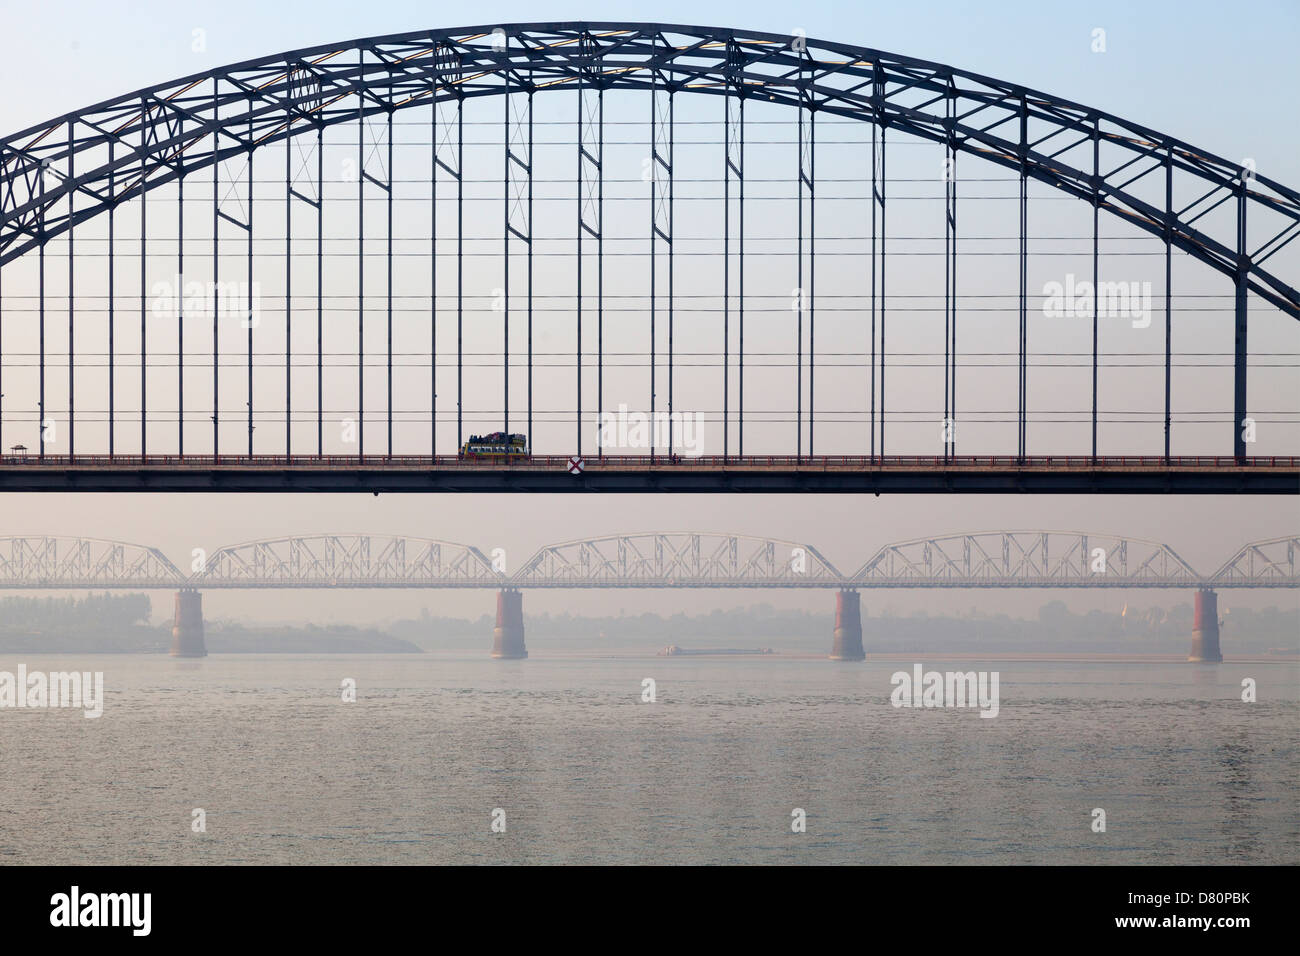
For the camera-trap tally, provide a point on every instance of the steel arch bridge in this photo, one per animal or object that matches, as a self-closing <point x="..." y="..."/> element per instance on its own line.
<point x="85" y="169"/>
<point x="28" y="562"/>
<point x="347" y="561"/>
<point x="1016" y="559"/>
<point x="1270" y="563"/>
<point x="1056" y="559"/>
<point x="678" y="560"/>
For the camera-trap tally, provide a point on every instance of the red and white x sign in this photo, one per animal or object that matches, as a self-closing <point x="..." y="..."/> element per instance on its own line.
<point x="575" y="465"/>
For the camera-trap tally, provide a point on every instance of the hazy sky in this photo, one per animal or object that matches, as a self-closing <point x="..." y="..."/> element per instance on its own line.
<point x="1225" y="85"/>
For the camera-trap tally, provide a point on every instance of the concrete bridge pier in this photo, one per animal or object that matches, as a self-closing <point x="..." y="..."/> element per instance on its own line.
<point x="1205" y="629"/>
<point x="847" y="645"/>
<point x="508" y="635"/>
<point x="187" y="626"/>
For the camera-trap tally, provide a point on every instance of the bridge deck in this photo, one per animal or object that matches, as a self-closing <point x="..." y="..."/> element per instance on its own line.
<point x="645" y="473"/>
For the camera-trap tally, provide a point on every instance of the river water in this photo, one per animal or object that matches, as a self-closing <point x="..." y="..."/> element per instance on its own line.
<point x="581" y="770"/>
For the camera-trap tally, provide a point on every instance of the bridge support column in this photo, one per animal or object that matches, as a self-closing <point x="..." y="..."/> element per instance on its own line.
<point x="1205" y="629"/>
<point x="187" y="626"/>
<point x="508" y="635"/>
<point x="847" y="645"/>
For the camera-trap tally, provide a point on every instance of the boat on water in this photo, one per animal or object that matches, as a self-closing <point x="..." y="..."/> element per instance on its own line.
<point x="672" y="650"/>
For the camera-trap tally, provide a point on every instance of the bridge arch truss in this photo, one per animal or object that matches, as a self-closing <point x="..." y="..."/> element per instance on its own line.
<point x="681" y="559"/>
<point x="1267" y="564"/>
<point x="50" y="561"/>
<point x="60" y="174"/>
<point x="1048" y="559"/>
<point x="347" y="561"/>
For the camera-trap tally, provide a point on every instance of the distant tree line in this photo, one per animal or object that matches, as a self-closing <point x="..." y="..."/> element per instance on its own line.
<point x="93" y="614"/>
<point x="121" y="622"/>
<point x="1055" y="628"/>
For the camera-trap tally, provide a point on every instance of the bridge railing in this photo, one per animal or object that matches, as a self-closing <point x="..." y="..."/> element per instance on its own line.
<point x="656" y="460"/>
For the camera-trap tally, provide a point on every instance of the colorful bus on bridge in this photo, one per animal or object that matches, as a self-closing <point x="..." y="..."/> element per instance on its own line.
<point x="497" y="446"/>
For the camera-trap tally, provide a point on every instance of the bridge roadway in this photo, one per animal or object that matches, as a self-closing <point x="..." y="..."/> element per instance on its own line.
<point x="761" y="474"/>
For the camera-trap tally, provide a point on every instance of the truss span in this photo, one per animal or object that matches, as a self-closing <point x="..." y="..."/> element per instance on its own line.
<point x="347" y="561"/>
<point x="47" y="561"/>
<point x="678" y="560"/>
<point x="1004" y="559"/>
<point x="1262" y="564"/>
<point x="1037" y="559"/>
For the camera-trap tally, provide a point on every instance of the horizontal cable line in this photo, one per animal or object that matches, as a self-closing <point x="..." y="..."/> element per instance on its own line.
<point x="205" y="241"/>
<point x="351" y="200"/>
<point x="834" y="353"/>
<point x="642" y="296"/>
<point x="237" y="199"/>
<point x="789" y="123"/>
<point x="493" y="142"/>
<point x="631" y="255"/>
<point x="269" y="360"/>
<point x="377" y="308"/>
<point x="709" y="414"/>
<point x="609" y="180"/>
<point x="238" y="420"/>
<point x="336" y="314"/>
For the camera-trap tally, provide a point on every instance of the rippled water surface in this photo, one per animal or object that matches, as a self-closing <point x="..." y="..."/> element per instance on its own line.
<point x="585" y="772"/>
